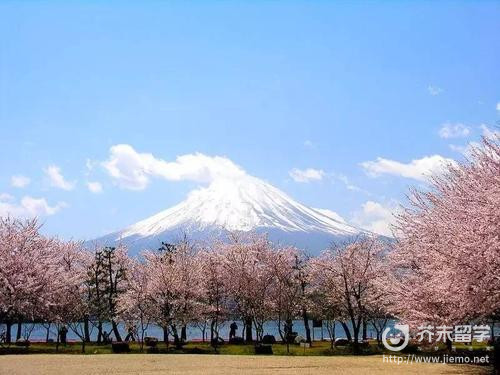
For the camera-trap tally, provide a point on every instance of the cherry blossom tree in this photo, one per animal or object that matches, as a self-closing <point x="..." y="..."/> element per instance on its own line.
<point x="28" y="264"/>
<point x="96" y="282"/>
<point x="352" y="278"/>
<point x="379" y="310"/>
<point x="249" y="280"/>
<point x="325" y="300"/>
<point x="215" y="297"/>
<point x="175" y="287"/>
<point x="303" y="276"/>
<point x="71" y="305"/>
<point x="447" y="256"/>
<point x="286" y="292"/>
<point x="135" y="304"/>
<point x="114" y="264"/>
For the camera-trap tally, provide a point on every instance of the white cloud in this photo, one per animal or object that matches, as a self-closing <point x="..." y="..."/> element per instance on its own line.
<point x="347" y="183"/>
<point x="94" y="187"/>
<point x="56" y="179"/>
<point x="6" y="197"/>
<point x="19" y="181"/>
<point x="308" y="144"/>
<point x="306" y="175"/>
<point x="28" y="207"/>
<point x="498" y="106"/>
<point x="133" y="170"/>
<point x="458" y="148"/>
<point x="376" y="217"/>
<point x="467" y="149"/>
<point x="434" y="90"/>
<point x="90" y="166"/>
<point x="486" y="132"/>
<point x="331" y="214"/>
<point x="418" y="169"/>
<point x="489" y="133"/>
<point x="457" y="130"/>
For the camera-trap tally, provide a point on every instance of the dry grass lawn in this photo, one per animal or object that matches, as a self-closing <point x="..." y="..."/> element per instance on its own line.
<point x="213" y="364"/>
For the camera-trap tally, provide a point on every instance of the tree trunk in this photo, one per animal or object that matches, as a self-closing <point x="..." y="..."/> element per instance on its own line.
<point x="448" y="344"/>
<point x="212" y="324"/>
<point x="177" y="342"/>
<point x="47" y="335"/>
<point x="214" y="335"/>
<point x="183" y="333"/>
<point x="280" y="331"/>
<point x="306" y="325"/>
<point x="364" y="330"/>
<point x="347" y="332"/>
<point x="115" y="330"/>
<point x="165" y="335"/>
<point x="86" y="330"/>
<point x="355" y="331"/>
<point x="142" y="338"/>
<point x="99" y="332"/>
<point x="8" y="334"/>
<point x="248" y="327"/>
<point x="58" y="328"/>
<point x="332" y="335"/>
<point x="19" y="330"/>
<point x="287" y="333"/>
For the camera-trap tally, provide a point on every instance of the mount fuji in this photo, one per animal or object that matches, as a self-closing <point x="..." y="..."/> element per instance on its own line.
<point x="243" y="204"/>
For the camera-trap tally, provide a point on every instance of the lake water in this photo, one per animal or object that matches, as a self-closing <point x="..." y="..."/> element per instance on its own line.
<point x="193" y="333"/>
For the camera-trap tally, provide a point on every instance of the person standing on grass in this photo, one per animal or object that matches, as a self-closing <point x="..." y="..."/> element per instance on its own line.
<point x="130" y="333"/>
<point x="232" y="330"/>
<point x="105" y="337"/>
<point x="62" y="334"/>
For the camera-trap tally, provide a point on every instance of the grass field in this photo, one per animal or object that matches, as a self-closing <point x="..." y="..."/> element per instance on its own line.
<point x="319" y="348"/>
<point x="45" y="364"/>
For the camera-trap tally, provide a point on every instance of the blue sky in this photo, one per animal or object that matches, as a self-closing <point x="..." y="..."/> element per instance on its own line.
<point x="276" y="87"/>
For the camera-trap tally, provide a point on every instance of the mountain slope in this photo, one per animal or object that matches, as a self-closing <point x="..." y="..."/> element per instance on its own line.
<point x="243" y="204"/>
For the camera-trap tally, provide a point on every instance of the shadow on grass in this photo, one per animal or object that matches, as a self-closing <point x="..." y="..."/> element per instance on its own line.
<point x="321" y="348"/>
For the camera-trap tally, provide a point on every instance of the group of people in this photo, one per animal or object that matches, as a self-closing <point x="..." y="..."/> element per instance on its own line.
<point x="232" y="330"/>
<point x="106" y="339"/>
<point x="131" y="333"/>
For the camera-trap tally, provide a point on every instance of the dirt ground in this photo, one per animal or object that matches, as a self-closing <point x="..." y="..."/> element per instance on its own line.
<point x="213" y="364"/>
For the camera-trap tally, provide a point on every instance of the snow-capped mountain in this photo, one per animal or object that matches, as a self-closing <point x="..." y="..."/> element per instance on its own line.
<point x="243" y="204"/>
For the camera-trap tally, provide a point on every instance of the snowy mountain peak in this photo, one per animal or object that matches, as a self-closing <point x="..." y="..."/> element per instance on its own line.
<point x="244" y="204"/>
